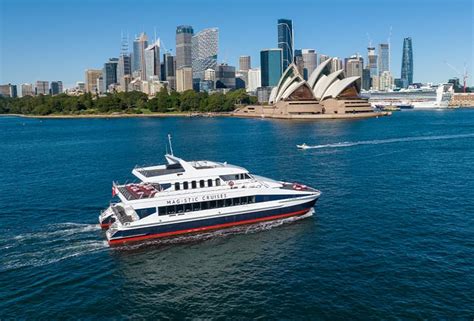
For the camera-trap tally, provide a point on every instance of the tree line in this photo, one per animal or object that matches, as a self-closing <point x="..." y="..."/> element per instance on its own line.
<point x="133" y="102"/>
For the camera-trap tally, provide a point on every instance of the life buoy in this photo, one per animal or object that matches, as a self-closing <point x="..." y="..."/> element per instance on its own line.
<point x="231" y="183"/>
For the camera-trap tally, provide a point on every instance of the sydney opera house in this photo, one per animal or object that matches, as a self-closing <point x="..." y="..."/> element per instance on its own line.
<point x="326" y="94"/>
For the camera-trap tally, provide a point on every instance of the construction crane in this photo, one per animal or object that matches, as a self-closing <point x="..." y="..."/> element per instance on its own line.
<point x="463" y="75"/>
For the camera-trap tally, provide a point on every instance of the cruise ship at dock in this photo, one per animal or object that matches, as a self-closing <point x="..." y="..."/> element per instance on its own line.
<point x="183" y="197"/>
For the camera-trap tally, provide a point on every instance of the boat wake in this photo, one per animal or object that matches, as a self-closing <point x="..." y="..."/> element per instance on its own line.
<point x="55" y="243"/>
<point x="388" y="141"/>
<point x="199" y="237"/>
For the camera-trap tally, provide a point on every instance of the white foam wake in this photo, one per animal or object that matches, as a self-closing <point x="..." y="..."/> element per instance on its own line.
<point x="389" y="141"/>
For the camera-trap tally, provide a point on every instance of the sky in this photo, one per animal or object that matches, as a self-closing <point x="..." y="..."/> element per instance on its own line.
<point x="59" y="40"/>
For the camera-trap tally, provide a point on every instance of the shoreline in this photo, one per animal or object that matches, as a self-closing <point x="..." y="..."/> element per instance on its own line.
<point x="153" y="115"/>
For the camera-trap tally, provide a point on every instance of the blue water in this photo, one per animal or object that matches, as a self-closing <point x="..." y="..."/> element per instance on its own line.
<point x="392" y="236"/>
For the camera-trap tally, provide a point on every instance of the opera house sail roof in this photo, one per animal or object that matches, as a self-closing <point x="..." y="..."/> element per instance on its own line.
<point x="323" y="83"/>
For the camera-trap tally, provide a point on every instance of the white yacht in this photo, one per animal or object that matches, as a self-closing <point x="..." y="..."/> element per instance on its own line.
<point x="194" y="196"/>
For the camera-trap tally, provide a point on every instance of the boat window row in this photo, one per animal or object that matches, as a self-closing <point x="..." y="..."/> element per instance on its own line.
<point x="194" y="184"/>
<point x="200" y="206"/>
<point x="235" y="177"/>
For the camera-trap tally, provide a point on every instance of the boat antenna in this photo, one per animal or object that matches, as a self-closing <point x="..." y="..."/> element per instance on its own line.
<point x="171" y="146"/>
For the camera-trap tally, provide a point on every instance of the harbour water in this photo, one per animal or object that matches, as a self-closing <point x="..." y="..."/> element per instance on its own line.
<point x="392" y="236"/>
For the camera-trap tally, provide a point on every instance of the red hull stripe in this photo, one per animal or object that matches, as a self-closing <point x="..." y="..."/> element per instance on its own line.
<point x="205" y="228"/>
<point x="105" y="225"/>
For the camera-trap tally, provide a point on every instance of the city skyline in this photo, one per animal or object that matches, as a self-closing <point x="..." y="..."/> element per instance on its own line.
<point x="20" y="65"/>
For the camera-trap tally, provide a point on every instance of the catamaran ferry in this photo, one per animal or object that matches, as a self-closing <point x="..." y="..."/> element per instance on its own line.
<point x="194" y="196"/>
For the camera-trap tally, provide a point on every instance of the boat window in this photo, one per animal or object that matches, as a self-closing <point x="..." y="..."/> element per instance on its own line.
<point x="188" y="207"/>
<point x="179" y="208"/>
<point x="185" y="185"/>
<point x="212" y="204"/>
<point x="251" y="199"/>
<point x="220" y="203"/>
<point x="246" y="176"/>
<point x="176" y="186"/>
<point x="193" y="184"/>
<point x="171" y="209"/>
<point x="236" y="177"/>
<point x="144" y="212"/>
<point x="243" y="200"/>
<point x="236" y="201"/>
<point x="218" y="182"/>
<point x="201" y="183"/>
<point x="209" y="183"/>
<point x="228" y="202"/>
<point x="204" y="205"/>
<point x="196" y="206"/>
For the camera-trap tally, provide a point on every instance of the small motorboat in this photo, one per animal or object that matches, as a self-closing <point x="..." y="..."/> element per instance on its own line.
<point x="303" y="146"/>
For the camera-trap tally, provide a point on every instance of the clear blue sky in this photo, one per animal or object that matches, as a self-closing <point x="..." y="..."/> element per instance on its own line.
<point x="58" y="40"/>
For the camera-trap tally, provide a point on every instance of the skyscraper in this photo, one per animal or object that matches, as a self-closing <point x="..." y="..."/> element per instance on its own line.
<point x="27" y="90"/>
<point x="310" y="62"/>
<point x="152" y="61"/>
<point x="254" y="80"/>
<point x="91" y="80"/>
<point x="42" y="87"/>
<point x="372" y="61"/>
<point x="407" y="62"/>
<point x="205" y="45"/>
<point x="109" y="73"/>
<point x="225" y="76"/>
<point x="285" y="41"/>
<point x="298" y="60"/>
<point x="384" y="58"/>
<point x="124" y="69"/>
<point x="184" y="79"/>
<point x="354" y="66"/>
<point x="138" y="57"/>
<point x="56" y="87"/>
<point x="271" y="66"/>
<point x="184" y="35"/>
<point x="244" y="63"/>
<point x="169" y="70"/>
<point x="323" y="58"/>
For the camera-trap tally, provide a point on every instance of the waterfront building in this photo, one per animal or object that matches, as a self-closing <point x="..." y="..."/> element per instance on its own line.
<point x="285" y="41"/>
<point x="241" y="79"/>
<point x="325" y="92"/>
<point x="184" y="79"/>
<point x="27" y="90"/>
<point x="225" y="76"/>
<point x="310" y="62"/>
<point x="184" y="36"/>
<point x="205" y="46"/>
<point x="91" y="79"/>
<point x="244" y="63"/>
<point x="383" y="58"/>
<point x="323" y="58"/>
<point x="372" y="61"/>
<point x="385" y="81"/>
<point x="152" y="61"/>
<point x="56" y="87"/>
<point x="42" y="87"/>
<point x="375" y="83"/>
<point x="206" y="86"/>
<point x="8" y="90"/>
<point x="109" y="73"/>
<point x="254" y="80"/>
<point x="271" y="66"/>
<point x="138" y="57"/>
<point x="407" y="62"/>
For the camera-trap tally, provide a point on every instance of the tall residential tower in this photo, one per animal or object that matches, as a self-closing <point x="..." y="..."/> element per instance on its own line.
<point x="407" y="62"/>
<point x="205" y="45"/>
